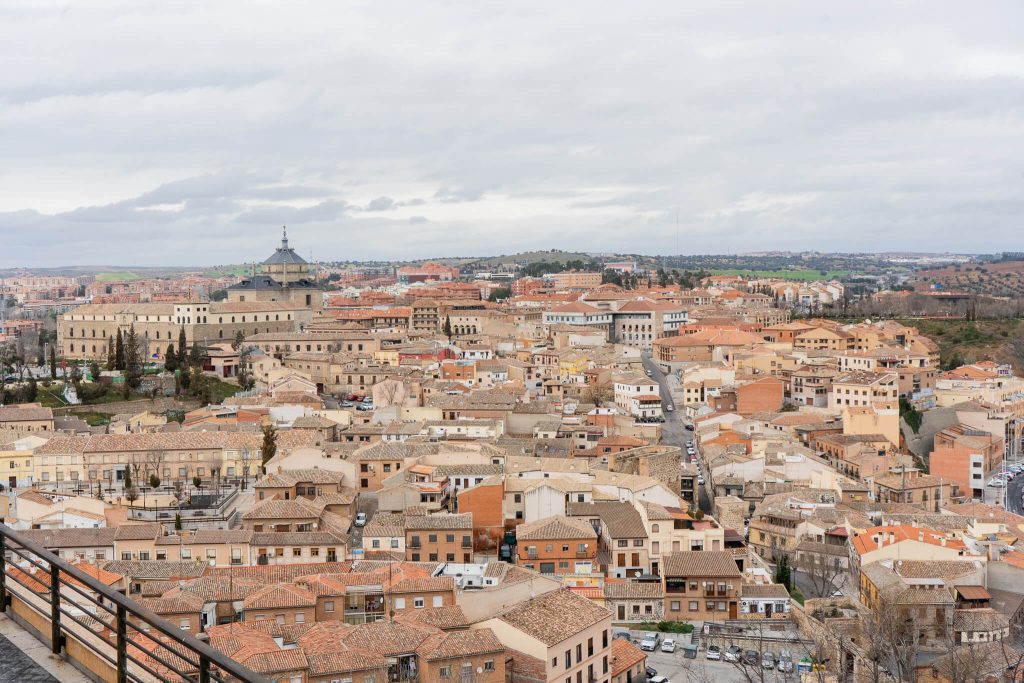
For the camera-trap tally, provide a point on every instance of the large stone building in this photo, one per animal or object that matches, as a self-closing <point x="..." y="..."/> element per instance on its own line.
<point x="258" y="305"/>
<point x="284" y="276"/>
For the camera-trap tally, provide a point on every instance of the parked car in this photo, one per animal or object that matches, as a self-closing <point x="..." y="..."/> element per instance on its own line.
<point x="785" y="662"/>
<point x="768" y="660"/>
<point x="690" y="427"/>
<point x="734" y="653"/>
<point x="714" y="652"/>
<point x="649" y="643"/>
<point x="657" y="679"/>
<point x="751" y="657"/>
<point x="689" y="444"/>
<point x="364" y="406"/>
<point x="670" y="407"/>
<point x="668" y="645"/>
<point x="360" y="519"/>
<point x="650" y="672"/>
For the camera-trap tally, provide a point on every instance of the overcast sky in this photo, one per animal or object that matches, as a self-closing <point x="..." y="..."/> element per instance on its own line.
<point x="158" y="133"/>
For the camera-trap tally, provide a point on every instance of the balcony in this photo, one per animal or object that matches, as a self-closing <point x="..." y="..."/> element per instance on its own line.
<point x="96" y="629"/>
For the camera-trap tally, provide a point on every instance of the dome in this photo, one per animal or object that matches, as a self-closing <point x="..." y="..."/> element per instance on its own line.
<point x="285" y="255"/>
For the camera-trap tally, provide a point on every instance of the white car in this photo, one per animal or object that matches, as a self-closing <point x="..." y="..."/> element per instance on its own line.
<point x="714" y="652"/>
<point x="657" y="679"/>
<point x="670" y="407"/>
<point x="649" y="643"/>
<point x="360" y="519"/>
<point x="669" y="645"/>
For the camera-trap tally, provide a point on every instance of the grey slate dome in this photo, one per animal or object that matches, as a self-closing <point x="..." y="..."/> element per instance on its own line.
<point x="285" y="255"/>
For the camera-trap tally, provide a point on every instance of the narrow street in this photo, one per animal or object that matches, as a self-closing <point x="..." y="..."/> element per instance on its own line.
<point x="673" y="430"/>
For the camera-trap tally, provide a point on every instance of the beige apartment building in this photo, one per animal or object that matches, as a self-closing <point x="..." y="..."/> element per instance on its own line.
<point x="702" y="586"/>
<point x="574" y="279"/>
<point x="26" y="417"/>
<point x="859" y="389"/>
<point x="566" y="633"/>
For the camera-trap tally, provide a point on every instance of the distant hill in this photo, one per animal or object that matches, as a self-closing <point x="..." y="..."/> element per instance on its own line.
<point x="1003" y="278"/>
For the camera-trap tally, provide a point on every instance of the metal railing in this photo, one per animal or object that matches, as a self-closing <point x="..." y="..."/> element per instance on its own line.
<point x="102" y="623"/>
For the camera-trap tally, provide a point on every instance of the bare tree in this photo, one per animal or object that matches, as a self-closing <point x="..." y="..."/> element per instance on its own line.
<point x="153" y="461"/>
<point x="824" y="574"/>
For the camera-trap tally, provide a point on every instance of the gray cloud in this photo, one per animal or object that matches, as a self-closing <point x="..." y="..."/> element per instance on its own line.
<point x="381" y="204"/>
<point x="764" y="126"/>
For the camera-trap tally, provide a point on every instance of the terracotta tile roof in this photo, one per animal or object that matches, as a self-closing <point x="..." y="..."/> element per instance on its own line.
<point x="20" y="413"/>
<point x="71" y="538"/>
<point x="439" y="522"/>
<point x="181" y="602"/>
<point x="279" y="595"/>
<point x="868" y="541"/>
<point x="444" y="618"/>
<point x="274" y="573"/>
<point x="634" y="590"/>
<point x="556" y="528"/>
<point x="770" y="590"/>
<point x="138" y="532"/>
<point x="712" y="563"/>
<point x="275" y="508"/>
<point x="625" y="656"/>
<point x="461" y="644"/>
<point x="622" y="519"/>
<point x="157" y="569"/>
<point x="555" y="617"/>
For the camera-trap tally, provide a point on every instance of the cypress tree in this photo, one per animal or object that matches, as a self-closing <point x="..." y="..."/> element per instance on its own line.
<point x="53" y="362"/>
<point x="171" y="359"/>
<point x="132" y="359"/>
<point x="119" y="352"/>
<point x="182" y="349"/>
<point x="269" y="448"/>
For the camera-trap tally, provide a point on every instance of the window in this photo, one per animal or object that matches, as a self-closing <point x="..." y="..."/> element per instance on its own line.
<point x="329" y="606"/>
<point x="693" y="606"/>
<point x="445" y="672"/>
<point x="489" y="665"/>
<point x="437" y="601"/>
<point x="568" y="659"/>
<point x="300" y="618"/>
<point x="126" y="556"/>
<point x="211" y="553"/>
<point x="296" y="552"/>
<point x="399" y="603"/>
<point x="674" y="605"/>
<point x="418" y="603"/>
<point x="184" y="625"/>
<point x="144" y="555"/>
<point x="186" y="553"/>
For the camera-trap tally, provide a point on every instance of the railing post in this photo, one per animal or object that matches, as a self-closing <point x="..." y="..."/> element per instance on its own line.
<point x="204" y="669"/>
<point x="122" y="645"/>
<point x="3" y="573"/>
<point x="55" y="637"/>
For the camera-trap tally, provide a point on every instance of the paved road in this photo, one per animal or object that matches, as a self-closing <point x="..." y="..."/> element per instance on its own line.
<point x="1014" y="491"/>
<point x="673" y="430"/>
<point x="678" y="669"/>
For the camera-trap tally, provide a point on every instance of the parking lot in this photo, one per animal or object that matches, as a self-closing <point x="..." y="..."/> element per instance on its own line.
<point x="678" y="669"/>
